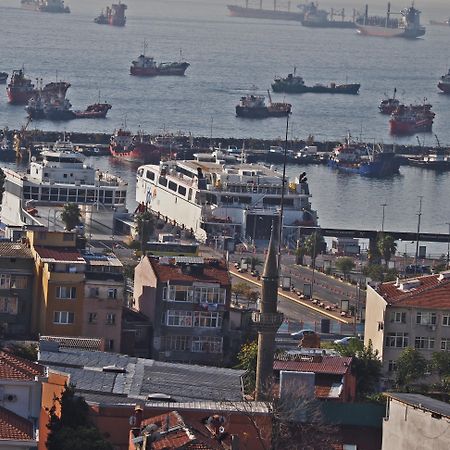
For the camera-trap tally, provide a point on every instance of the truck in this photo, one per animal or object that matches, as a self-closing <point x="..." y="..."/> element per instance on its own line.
<point x="285" y="283"/>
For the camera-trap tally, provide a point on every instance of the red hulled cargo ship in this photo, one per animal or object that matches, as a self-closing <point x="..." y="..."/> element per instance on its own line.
<point x="412" y="119"/>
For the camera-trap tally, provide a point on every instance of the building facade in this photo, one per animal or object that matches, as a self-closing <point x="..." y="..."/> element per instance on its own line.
<point x="408" y="313"/>
<point x="16" y="290"/>
<point x="187" y="300"/>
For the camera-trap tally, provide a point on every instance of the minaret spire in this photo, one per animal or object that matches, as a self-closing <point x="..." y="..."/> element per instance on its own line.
<point x="267" y="321"/>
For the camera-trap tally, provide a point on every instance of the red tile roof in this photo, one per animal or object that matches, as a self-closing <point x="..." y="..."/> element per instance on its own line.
<point x="335" y="365"/>
<point x="15" y="368"/>
<point x="431" y="293"/>
<point x="213" y="272"/>
<point x="59" y="254"/>
<point x="14" y="427"/>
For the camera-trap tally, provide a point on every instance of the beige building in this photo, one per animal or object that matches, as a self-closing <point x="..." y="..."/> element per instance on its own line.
<point x="408" y="313"/>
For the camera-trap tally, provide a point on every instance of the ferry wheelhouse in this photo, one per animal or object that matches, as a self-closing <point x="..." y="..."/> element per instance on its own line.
<point x="216" y="199"/>
<point x="60" y="177"/>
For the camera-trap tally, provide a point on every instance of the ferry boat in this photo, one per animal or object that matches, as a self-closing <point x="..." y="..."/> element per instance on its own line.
<point x="389" y="105"/>
<point x="114" y="15"/>
<point x="295" y="84"/>
<point x="60" y="177"/>
<point x="20" y="89"/>
<point x="146" y="66"/>
<point x="275" y="13"/>
<point x="255" y="107"/>
<point x="353" y="157"/>
<point x="444" y="83"/>
<point x="407" y="27"/>
<point x="51" y="6"/>
<point x="412" y="119"/>
<point x="218" y="199"/>
<point x="137" y="148"/>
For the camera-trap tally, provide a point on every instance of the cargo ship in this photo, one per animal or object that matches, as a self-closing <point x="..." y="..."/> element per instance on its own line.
<point x="318" y="18"/>
<point x="146" y="66"/>
<point x="444" y="83"/>
<point x="412" y="119"/>
<point x="114" y="15"/>
<point x="51" y="6"/>
<point x="295" y="84"/>
<point x="255" y="107"/>
<point x="352" y="157"/>
<point x="136" y="148"/>
<point x="408" y="26"/>
<point x="259" y="13"/>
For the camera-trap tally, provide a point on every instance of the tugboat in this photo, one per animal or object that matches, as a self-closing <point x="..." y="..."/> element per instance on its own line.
<point x="407" y="27"/>
<point x="115" y="15"/>
<point x="135" y="148"/>
<point x="254" y="107"/>
<point x="444" y="83"/>
<point x="20" y="89"/>
<point x="95" y="111"/>
<point x="352" y="157"/>
<point x="412" y="119"/>
<point x="296" y="85"/>
<point x="3" y="77"/>
<point x="389" y="105"/>
<point x="146" y="66"/>
<point x="51" y="6"/>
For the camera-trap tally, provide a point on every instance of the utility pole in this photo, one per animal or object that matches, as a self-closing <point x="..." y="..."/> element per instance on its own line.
<point x="383" y="205"/>
<point x="419" y="215"/>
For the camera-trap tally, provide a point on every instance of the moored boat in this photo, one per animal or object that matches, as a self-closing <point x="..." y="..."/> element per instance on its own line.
<point x="295" y="84"/>
<point x="389" y="105"/>
<point x="444" y="83"/>
<point x="146" y="66"/>
<point x="20" y="89"/>
<point x="94" y="111"/>
<point x="255" y="107"/>
<point x="437" y="159"/>
<point x="412" y="119"/>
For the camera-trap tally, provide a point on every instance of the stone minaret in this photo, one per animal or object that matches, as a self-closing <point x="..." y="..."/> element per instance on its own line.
<point x="267" y="321"/>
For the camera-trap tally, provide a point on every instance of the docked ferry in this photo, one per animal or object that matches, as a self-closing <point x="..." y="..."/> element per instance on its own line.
<point x="220" y="199"/>
<point x="60" y="177"/>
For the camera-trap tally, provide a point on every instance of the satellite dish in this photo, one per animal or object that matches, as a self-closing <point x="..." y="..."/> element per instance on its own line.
<point x="221" y="430"/>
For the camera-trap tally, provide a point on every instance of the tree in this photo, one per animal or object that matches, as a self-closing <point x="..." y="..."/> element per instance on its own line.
<point x="247" y="358"/>
<point x="366" y="366"/>
<point x="72" y="429"/>
<point x="374" y="271"/>
<point x="313" y="245"/>
<point x="411" y="366"/>
<point x="145" y="227"/>
<point x="71" y="216"/>
<point x="23" y="350"/>
<point x="240" y="290"/>
<point x="345" y="265"/>
<point x="440" y="362"/>
<point x="387" y="247"/>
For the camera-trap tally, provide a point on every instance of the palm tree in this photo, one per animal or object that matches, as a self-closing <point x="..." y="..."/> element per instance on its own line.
<point x="253" y="261"/>
<point x="387" y="247"/>
<point x="71" y="215"/>
<point x="313" y="246"/>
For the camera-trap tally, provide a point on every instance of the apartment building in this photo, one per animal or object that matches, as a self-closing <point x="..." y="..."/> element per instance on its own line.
<point x="408" y="313"/>
<point x="187" y="300"/>
<point x="16" y="290"/>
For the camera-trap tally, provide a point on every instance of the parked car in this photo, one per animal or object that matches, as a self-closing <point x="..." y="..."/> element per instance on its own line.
<point x="302" y="333"/>
<point x="346" y="340"/>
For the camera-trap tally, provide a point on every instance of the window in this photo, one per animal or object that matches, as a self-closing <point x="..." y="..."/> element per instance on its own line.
<point x="5" y="281"/>
<point x="209" y="295"/>
<point x="446" y="320"/>
<point x="94" y="292"/>
<point x="206" y="344"/>
<point x="424" y="343"/>
<point x="177" y="343"/>
<point x="110" y="319"/>
<point x="150" y="175"/>
<point x="392" y="366"/>
<point x="398" y="317"/>
<point x="112" y="293"/>
<point x="92" y="318"/>
<point x="110" y="344"/>
<point x="397" y="340"/>
<point x="66" y="292"/>
<point x="63" y="317"/>
<point x="173" y="186"/>
<point x="182" y="190"/>
<point x="9" y="305"/>
<point x="425" y="318"/>
<point x="163" y="181"/>
<point x="178" y="294"/>
<point x="445" y="344"/>
<point x="207" y="320"/>
<point x="179" y="318"/>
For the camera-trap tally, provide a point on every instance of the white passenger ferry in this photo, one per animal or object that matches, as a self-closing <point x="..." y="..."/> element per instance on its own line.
<point x="60" y="177"/>
<point x="215" y="199"/>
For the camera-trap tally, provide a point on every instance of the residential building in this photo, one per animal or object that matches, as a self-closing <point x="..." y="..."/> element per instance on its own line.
<point x="408" y="313"/>
<point x="415" y="422"/>
<point x="16" y="290"/>
<point x="187" y="300"/>
<point x="136" y="333"/>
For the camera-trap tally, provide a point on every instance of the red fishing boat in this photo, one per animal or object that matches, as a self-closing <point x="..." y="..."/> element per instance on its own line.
<point x="412" y="119"/>
<point x="19" y="89"/>
<point x="95" y="111"/>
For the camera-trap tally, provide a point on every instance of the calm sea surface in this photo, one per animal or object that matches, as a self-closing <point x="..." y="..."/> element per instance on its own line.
<point x="229" y="55"/>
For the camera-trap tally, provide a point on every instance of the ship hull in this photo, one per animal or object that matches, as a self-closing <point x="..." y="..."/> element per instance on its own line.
<point x="444" y="87"/>
<point x="407" y="128"/>
<point x="179" y="70"/>
<point x="140" y="153"/>
<point x="260" y="113"/>
<point x="117" y="22"/>
<point x="256" y="13"/>
<point x="329" y="24"/>
<point x="433" y="165"/>
<point x="384" y="166"/>
<point x="351" y="89"/>
<point x="18" y="97"/>
<point x="371" y="30"/>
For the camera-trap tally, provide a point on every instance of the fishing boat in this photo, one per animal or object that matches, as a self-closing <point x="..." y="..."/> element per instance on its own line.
<point x="255" y="107"/>
<point x="20" y="89"/>
<point x="444" y="83"/>
<point x="295" y="84"/>
<point x="437" y="159"/>
<point x="389" y="105"/>
<point x="406" y="120"/>
<point x="408" y="26"/>
<point x="94" y="111"/>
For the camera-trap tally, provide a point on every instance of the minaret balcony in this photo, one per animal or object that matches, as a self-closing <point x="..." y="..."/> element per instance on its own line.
<point x="267" y="321"/>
